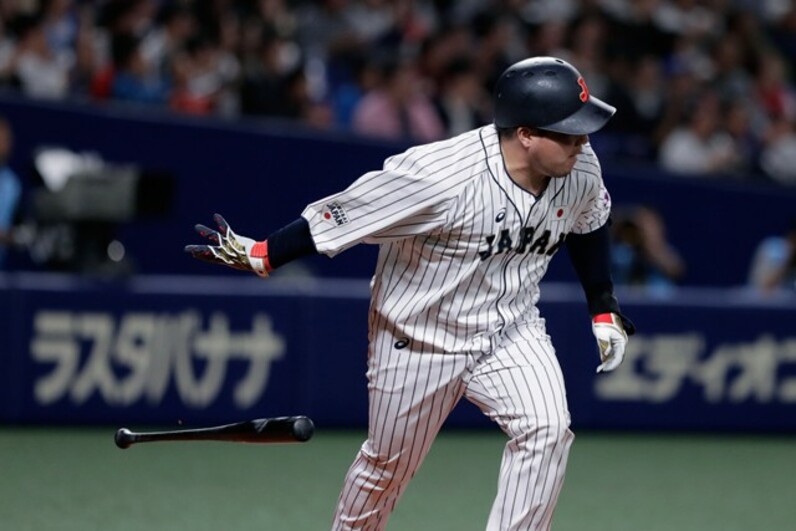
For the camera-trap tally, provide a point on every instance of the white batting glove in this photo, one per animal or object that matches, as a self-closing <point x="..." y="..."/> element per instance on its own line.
<point x="237" y="252"/>
<point x="611" y="339"/>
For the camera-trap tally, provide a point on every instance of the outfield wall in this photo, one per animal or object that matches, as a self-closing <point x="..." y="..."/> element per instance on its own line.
<point x="168" y="350"/>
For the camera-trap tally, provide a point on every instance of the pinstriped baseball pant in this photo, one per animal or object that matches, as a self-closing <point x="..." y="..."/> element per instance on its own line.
<point x="519" y="386"/>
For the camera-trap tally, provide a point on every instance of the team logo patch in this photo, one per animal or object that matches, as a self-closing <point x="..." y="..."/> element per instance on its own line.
<point x="584" y="92"/>
<point x="334" y="211"/>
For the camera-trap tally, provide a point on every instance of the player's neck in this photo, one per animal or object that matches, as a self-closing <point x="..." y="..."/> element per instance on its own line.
<point x="537" y="184"/>
<point x="521" y="171"/>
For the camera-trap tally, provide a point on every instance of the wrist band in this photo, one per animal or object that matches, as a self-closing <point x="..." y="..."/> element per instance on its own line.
<point x="604" y="318"/>
<point x="260" y="250"/>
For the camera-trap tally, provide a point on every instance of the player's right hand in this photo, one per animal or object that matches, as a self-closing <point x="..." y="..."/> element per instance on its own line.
<point x="230" y="249"/>
<point x="609" y="330"/>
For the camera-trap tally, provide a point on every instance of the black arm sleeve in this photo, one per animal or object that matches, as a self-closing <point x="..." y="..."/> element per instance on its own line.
<point x="591" y="258"/>
<point x="290" y="242"/>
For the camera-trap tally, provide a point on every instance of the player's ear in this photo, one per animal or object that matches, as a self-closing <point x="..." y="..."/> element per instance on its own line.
<point x="525" y="135"/>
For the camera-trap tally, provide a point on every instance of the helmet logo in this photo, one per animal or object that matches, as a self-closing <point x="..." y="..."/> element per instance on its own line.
<point x="584" y="93"/>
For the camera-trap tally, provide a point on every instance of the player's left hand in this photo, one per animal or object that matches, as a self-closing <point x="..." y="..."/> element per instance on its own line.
<point x="611" y="336"/>
<point x="230" y="249"/>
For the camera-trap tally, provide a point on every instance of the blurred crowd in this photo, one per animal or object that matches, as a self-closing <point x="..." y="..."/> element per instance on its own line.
<point x="704" y="87"/>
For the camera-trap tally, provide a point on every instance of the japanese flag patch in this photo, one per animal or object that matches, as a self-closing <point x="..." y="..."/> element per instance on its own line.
<point x="561" y="211"/>
<point x="336" y="213"/>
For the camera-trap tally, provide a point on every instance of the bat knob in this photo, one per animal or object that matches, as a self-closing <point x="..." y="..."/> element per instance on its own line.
<point x="303" y="428"/>
<point x="123" y="438"/>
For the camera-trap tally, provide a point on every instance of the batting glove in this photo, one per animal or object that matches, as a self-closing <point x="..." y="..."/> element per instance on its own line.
<point x="611" y="340"/>
<point x="235" y="251"/>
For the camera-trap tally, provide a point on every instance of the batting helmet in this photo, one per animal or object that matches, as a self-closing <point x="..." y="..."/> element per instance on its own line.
<point x="550" y="94"/>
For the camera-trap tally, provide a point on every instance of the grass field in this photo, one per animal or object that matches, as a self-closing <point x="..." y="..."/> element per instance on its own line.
<point x="77" y="480"/>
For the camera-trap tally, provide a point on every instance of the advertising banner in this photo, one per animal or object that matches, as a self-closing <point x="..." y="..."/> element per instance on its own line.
<point x="171" y="350"/>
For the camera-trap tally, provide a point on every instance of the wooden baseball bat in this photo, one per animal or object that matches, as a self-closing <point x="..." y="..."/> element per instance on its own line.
<point x="268" y="430"/>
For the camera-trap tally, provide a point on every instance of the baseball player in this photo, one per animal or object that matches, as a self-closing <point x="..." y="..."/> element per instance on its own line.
<point x="466" y="228"/>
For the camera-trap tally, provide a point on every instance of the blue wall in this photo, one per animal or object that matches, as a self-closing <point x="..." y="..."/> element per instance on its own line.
<point x="260" y="175"/>
<point x="210" y="345"/>
<point x="164" y="350"/>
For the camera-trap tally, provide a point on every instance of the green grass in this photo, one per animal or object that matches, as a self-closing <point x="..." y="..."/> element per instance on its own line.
<point x="77" y="480"/>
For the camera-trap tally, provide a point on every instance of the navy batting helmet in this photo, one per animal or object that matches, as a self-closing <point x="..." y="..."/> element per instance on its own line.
<point x="550" y="94"/>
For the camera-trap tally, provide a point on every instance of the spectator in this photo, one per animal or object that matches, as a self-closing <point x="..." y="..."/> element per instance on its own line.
<point x="398" y="109"/>
<point x="773" y="265"/>
<point x="10" y="189"/>
<point x="439" y="49"/>
<point x="681" y="93"/>
<point x="462" y="102"/>
<point x="41" y="71"/>
<point x="263" y="86"/>
<point x="325" y="31"/>
<point x="195" y="81"/>
<point x="7" y="52"/>
<point x="414" y="21"/>
<point x="493" y="54"/>
<point x="634" y="30"/>
<point x="371" y="20"/>
<point x="160" y="46"/>
<point x="133" y="79"/>
<point x="548" y="39"/>
<point x="637" y="89"/>
<point x="61" y="23"/>
<point x="278" y="86"/>
<point x="115" y="20"/>
<point x="783" y="30"/>
<point x="88" y="60"/>
<point x="588" y="46"/>
<point x="362" y="78"/>
<point x="746" y="145"/>
<point x="648" y="57"/>
<point x="778" y="159"/>
<point x="730" y="79"/>
<point x="228" y="64"/>
<point x="690" y="17"/>
<point x="261" y="19"/>
<point x="641" y="255"/>
<point x="772" y="91"/>
<point x="751" y="36"/>
<point x="699" y="146"/>
<point x="204" y="79"/>
<point x="299" y="103"/>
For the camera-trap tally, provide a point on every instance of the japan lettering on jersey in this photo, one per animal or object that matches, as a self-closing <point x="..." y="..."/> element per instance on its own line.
<point x="463" y="248"/>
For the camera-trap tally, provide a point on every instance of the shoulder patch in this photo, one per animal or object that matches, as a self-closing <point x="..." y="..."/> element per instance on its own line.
<point x="334" y="211"/>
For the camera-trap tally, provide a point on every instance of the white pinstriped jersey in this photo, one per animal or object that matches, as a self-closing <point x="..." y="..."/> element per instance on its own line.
<point x="463" y="248"/>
